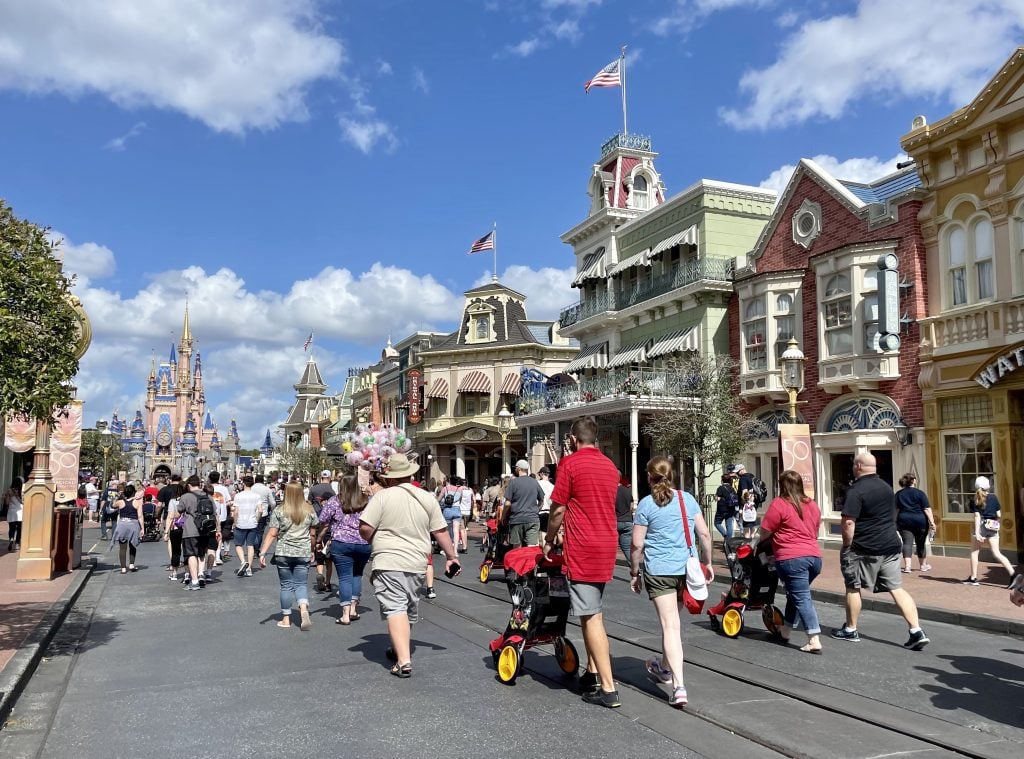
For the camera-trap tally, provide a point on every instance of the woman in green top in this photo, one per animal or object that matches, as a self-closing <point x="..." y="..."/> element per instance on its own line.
<point x="294" y="527"/>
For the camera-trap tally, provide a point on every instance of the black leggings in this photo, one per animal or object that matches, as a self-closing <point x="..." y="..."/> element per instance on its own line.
<point x="175" y="540"/>
<point x="912" y="535"/>
<point x="126" y="547"/>
<point x="14" y="532"/>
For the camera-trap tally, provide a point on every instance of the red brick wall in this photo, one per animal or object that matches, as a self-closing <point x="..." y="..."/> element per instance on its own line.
<point x="841" y="228"/>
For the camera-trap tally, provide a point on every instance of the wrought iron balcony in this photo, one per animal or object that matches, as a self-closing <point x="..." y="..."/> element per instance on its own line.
<point x="643" y="383"/>
<point x="701" y="270"/>
<point x="623" y="140"/>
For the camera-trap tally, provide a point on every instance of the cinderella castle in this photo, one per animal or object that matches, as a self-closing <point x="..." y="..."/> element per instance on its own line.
<point x="176" y="433"/>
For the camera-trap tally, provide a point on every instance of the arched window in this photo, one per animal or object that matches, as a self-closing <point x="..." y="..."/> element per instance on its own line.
<point x="640" y="196"/>
<point x="482" y="327"/>
<point x="970" y="252"/>
<point x="838" y="316"/>
<point x="785" y="326"/>
<point x="755" y="334"/>
<point x="984" y="250"/>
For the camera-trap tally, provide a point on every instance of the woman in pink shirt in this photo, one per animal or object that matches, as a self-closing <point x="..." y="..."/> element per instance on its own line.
<point x="792" y="523"/>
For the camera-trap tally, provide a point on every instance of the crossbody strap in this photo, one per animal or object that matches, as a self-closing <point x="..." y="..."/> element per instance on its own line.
<point x="686" y="522"/>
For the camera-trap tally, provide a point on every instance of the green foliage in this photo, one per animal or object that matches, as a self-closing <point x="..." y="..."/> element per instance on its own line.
<point x="91" y="454"/>
<point x="708" y="427"/>
<point x="38" y="325"/>
<point x="306" y="463"/>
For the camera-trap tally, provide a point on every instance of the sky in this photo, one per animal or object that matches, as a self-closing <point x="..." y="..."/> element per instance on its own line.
<point x="297" y="166"/>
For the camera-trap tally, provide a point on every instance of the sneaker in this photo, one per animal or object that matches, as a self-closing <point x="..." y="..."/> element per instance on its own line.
<point x="609" y="699"/>
<point x="184" y="579"/>
<point x="905" y="571"/>
<point x="194" y="585"/>
<point x="172" y="577"/>
<point x="208" y="576"/>
<point x="248" y="572"/>
<point x="926" y="567"/>
<point x="843" y="633"/>
<point x="202" y="582"/>
<point x="659" y="673"/>
<point x="241" y="570"/>
<point x="917" y="641"/>
<point x="971" y="581"/>
<point x="678" y="697"/>
<point x="217" y="563"/>
<point x="431" y="593"/>
<point x="589" y="681"/>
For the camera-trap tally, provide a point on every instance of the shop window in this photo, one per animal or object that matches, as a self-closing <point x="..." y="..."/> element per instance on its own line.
<point x="754" y="334"/>
<point x="975" y="409"/>
<point x="966" y="456"/>
<point x="484" y="406"/>
<point x="838" y="316"/>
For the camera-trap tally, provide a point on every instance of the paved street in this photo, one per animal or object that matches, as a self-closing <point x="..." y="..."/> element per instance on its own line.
<point x="143" y="667"/>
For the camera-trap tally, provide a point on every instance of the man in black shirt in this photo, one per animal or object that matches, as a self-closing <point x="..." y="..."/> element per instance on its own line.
<point x="624" y="515"/>
<point x="871" y="551"/>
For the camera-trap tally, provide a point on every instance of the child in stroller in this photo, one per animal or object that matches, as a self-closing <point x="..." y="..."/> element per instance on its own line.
<point x="150" y="526"/>
<point x="754" y="583"/>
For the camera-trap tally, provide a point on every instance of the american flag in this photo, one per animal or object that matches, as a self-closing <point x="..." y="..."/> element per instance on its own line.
<point x="484" y="243"/>
<point x="309" y="342"/>
<point x="606" y="77"/>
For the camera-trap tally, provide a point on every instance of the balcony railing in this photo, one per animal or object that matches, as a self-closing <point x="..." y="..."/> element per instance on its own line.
<point x="701" y="270"/>
<point x="985" y="325"/>
<point x="622" y="140"/>
<point x="644" y="383"/>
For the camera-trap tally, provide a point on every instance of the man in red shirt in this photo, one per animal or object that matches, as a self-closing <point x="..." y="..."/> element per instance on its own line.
<point x="584" y="497"/>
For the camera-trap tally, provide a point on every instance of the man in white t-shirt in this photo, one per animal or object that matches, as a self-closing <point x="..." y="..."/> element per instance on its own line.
<point x="544" y="480"/>
<point x="246" y="509"/>
<point x="92" y="497"/>
<point x="269" y="504"/>
<point x="222" y="499"/>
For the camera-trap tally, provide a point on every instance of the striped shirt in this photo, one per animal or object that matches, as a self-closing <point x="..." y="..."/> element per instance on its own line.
<point x="586" y="483"/>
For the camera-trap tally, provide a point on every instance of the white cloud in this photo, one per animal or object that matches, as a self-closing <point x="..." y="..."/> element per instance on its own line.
<point x="420" y="81"/>
<point x="383" y="68"/>
<point x="231" y="65"/>
<point x="687" y="15"/>
<point x="852" y="169"/>
<point x="524" y="48"/>
<point x="547" y="290"/>
<point x="117" y="144"/>
<point x="578" y="5"/>
<point x="827" y="64"/>
<point x="366" y="133"/>
<point x="86" y="262"/>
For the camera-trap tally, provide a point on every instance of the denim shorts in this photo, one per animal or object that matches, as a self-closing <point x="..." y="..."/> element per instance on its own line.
<point x="246" y="537"/>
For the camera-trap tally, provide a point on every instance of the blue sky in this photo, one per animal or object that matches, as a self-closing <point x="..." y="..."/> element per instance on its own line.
<point x="293" y="165"/>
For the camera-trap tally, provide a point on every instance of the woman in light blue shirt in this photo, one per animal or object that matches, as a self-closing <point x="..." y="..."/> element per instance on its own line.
<point x="658" y="536"/>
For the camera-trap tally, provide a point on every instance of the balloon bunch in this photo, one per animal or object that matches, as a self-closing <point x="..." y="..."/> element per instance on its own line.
<point x="370" y="446"/>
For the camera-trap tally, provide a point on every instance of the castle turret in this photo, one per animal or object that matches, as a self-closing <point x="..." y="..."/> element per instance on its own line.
<point x="267" y="449"/>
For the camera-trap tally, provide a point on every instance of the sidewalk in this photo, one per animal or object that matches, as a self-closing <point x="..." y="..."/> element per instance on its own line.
<point x="30" y="613"/>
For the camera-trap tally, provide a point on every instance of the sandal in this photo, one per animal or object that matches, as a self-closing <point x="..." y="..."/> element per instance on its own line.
<point x="402" y="670"/>
<point x="340" y="621"/>
<point x="284" y="624"/>
<point x="808" y="649"/>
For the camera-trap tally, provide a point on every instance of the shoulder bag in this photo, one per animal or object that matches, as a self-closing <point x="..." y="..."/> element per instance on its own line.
<point x="695" y="591"/>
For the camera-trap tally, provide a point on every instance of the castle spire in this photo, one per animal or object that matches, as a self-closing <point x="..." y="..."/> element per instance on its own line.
<point x="186" y="330"/>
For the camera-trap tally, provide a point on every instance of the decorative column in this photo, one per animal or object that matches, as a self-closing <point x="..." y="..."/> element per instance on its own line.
<point x="460" y="460"/>
<point x="634" y="443"/>
<point x="35" y="561"/>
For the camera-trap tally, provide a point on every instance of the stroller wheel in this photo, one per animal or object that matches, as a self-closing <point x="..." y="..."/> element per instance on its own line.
<point x="732" y="622"/>
<point x="508" y="664"/>
<point x="772" y="618"/>
<point x="715" y="624"/>
<point x="485" y="572"/>
<point x="566" y="656"/>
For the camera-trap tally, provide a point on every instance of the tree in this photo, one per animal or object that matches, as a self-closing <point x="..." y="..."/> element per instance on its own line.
<point x="708" y="426"/>
<point x="90" y="457"/>
<point x="304" y="462"/>
<point x="39" y="329"/>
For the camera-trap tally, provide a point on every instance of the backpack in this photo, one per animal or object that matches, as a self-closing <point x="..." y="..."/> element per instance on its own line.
<point x="449" y="497"/>
<point x="760" y="491"/>
<point x="749" y="513"/>
<point x="206" y="515"/>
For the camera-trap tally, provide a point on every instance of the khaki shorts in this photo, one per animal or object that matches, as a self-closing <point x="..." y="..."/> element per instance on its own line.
<point x="662" y="585"/>
<point x="879" y="574"/>
<point x="521" y="535"/>
<point x="398" y="592"/>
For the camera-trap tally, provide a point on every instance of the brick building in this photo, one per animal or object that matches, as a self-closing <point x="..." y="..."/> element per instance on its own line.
<point x="814" y="275"/>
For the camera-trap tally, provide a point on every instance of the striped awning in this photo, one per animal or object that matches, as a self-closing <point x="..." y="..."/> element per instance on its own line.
<point x="686" y="237"/>
<point x="635" y="353"/>
<point x="676" y="342"/>
<point x="643" y="258"/>
<point x="475" y="382"/>
<point x="438" y="389"/>
<point x="511" y="384"/>
<point x="592" y="268"/>
<point x="589" y="357"/>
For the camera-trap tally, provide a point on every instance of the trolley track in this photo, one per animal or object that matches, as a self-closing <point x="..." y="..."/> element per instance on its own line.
<point x="936" y="736"/>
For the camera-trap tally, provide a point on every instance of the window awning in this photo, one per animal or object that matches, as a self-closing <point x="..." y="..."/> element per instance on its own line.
<point x="593" y="268"/>
<point x="643" y="258"/>
<point x="475" y="382"/>
<point x="675" y="342"/>
<point x="589" y="357"/>
<point x="636" y="353"/>
<point x="511" y="384"/>
<point x="686" y="237"/>
<point x="438" y="389"/>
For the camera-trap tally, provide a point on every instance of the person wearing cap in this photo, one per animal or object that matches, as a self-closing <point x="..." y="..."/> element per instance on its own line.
<point x="986" y="528"/>
<point x="398" y="523"/>
<point x="872" y="549"/>
<point x="659" y="537"/>
<point x="523" y="500"/>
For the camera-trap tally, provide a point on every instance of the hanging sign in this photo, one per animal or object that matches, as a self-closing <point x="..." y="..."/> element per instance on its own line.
<point x="795" y="453"/>
<point x="415" y="398"/>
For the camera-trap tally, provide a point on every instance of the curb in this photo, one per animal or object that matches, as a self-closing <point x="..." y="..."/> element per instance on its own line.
<point x="22" y="665"/>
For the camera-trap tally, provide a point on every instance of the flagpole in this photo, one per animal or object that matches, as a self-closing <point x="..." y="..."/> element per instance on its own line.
<point x="494" y="250"/>
<point x="622" y="71"/>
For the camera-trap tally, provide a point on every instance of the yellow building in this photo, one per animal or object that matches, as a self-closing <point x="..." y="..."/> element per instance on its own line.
<point x="972" y="165"/>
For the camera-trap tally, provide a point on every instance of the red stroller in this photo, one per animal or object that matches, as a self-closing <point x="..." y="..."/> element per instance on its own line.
<point x="754" y="583"/>
<point x="495" y="546"/>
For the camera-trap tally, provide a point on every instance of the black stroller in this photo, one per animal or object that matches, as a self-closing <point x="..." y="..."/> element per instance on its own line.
<point x="494" y="546"/>
<point x="754" y="583"/>
<point x="150" y="525"/>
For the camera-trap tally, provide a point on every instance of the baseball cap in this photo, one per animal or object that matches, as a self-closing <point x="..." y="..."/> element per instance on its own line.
<point x="982" y="483"/>
<point x="521" y="464"/>
<point x="325" y="473"/>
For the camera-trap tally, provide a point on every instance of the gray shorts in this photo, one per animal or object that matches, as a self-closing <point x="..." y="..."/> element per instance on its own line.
<point x="879" y="574"/>
<point x="585" y="598"/>
<point x="398" y="592"/>
<point x="523" y="534"/>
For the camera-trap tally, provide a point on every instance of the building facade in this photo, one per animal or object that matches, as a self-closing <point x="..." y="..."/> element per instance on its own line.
<point x="972" y="165"/>
<point x="655" y="279"/>
<point x="302" y="426"/>
<point x="815" y="275"/>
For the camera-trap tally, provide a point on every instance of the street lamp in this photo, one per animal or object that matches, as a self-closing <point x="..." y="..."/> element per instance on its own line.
<point x="505" y="420"/>
<point x="792" y="374"/>
<point x="106" y="445"/>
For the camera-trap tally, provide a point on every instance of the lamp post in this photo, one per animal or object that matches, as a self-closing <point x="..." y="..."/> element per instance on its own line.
<point x="505" y="420"/>
<point x="106" y="445"/>
<point x="793" y="374"/>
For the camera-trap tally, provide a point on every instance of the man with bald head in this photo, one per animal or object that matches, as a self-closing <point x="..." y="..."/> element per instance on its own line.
<point x="870" y="558"/>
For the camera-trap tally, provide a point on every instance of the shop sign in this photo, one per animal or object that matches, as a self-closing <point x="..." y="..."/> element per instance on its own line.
<point x="415" y="389"/>
<point x="1006" y="364"/>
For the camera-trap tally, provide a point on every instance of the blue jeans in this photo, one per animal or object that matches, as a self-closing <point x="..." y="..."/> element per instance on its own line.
<point x="293" y="572"/>
<point x="625" y="530"/>
<point x="728" y="521"/>
<point x="349" y="561"/>
<point x="798" y="574"/>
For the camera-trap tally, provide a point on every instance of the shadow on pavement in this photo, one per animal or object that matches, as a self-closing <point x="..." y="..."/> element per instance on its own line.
<point x="991" y="688"/>
<point x="374" y="645"/>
